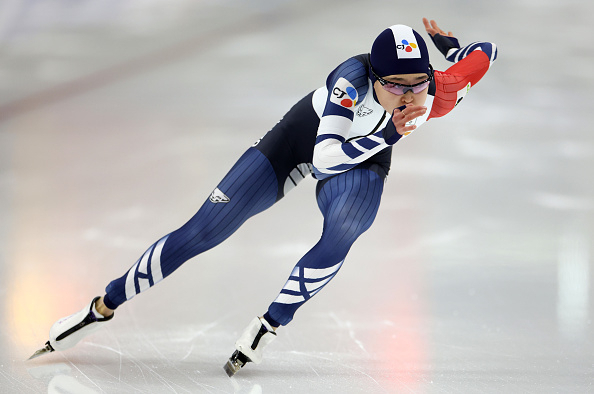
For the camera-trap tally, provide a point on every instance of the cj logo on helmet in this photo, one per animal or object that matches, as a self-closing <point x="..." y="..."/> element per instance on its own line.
<point x="406" y="46"/>
<point x="344" y="94"/>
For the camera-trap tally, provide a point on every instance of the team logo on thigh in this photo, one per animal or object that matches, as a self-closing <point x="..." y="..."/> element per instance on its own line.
<point x="217" y="196"/>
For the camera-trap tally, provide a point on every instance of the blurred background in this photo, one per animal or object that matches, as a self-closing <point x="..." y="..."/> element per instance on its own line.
<point x="118" y="118"/>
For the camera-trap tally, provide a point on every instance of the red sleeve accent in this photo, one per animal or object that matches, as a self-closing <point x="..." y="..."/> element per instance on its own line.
<point x="452" y="85"/>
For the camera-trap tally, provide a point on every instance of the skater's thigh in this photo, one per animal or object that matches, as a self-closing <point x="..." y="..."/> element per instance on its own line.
<point x="349" y="202"/>
<point x="248" y="188"/>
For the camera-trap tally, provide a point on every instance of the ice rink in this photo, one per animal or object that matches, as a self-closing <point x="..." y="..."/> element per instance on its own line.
<point x="118" y="119"/>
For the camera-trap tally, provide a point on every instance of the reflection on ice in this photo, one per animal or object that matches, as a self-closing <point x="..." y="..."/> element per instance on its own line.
<point x="61" y="382"/>
<point x="573" y="294"/>
<point x="64" y="384"/>
<point x="245" y="389"/>
<point x="563" y="202"/>
<point x="49" y="370"/>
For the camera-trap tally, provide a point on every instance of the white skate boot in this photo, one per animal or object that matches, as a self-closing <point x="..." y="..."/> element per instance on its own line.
<point x="250" y="345"/>
<point x="67" y="332"/>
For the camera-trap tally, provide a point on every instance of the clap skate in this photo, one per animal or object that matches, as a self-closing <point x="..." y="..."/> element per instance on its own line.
<point x="250" y="345"/>
<point x="67" y="332"/>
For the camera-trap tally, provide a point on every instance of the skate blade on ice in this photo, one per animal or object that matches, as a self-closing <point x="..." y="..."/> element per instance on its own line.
<point x="46" y="349"/>
<point x="67" y="332"/>
<point x="231" y="368"/>
<point x="235" y="363"/>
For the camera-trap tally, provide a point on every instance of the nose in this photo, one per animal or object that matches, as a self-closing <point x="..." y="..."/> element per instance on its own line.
<point x="408" y="97"/>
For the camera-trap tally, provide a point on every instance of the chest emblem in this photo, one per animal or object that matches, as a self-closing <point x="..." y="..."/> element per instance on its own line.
<point x="364" y="111"/>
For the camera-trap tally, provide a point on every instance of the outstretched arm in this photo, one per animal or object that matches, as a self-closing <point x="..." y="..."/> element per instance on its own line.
<point x="472" y="62"/>
<point x="449" y="46"/>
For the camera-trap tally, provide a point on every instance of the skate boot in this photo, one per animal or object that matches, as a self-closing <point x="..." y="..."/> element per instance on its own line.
<point x="67" y="332"/>
<point x="250" y="345"/>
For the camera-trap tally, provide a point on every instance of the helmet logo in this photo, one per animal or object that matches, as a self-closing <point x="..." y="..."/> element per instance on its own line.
<point x="408" y="43"/>
<point x="407" y="46"/>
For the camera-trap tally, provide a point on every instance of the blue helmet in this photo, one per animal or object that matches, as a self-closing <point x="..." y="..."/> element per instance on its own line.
<point x="399" y="50"/>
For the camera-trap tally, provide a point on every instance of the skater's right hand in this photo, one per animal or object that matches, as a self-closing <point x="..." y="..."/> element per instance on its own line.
<point x="401" y="116"/>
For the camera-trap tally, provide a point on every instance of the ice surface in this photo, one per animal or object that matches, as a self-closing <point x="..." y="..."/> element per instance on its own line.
<point x="118" y="118"/>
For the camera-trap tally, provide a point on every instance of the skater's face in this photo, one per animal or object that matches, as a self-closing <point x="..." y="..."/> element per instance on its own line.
<point x="387" y="93"/>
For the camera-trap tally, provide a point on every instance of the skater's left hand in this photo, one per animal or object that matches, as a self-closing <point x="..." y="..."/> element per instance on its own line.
<point x="433" y="29"/>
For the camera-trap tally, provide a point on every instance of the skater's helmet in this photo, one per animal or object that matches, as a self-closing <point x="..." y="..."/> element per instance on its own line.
<point x="399" y="50"/>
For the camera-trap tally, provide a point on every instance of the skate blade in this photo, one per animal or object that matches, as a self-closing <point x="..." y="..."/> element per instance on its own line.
<point x="47" y="349"/>
<point x="231" y="368"/>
